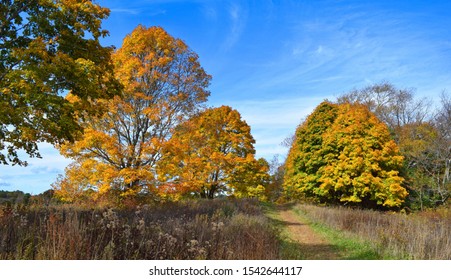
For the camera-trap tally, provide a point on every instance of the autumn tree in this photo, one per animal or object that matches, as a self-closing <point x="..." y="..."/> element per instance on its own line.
<point x="251" y="179"/>
<point x="48" y="48"/>
<point x="212" y="154"/>
<point x="274" y="189"/>
<point x="163" y="84"/>
<point x="344" y="154"/>
<point x="422" y="135"/>
<point x="426" y="147"/>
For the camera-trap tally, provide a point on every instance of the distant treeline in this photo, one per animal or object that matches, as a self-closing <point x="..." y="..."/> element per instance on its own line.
<point x="19" y="197"/>
<point x="14" y="197"/>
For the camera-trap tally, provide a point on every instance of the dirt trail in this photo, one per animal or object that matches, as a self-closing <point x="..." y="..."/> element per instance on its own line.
<point x="313" y="246"/>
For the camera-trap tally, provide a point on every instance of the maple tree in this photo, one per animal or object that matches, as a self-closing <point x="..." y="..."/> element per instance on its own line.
<point x="251" y="179"/>
<point x="163" y="84"/>
<point x="212" y="154"/>
<point x="345" y="154"/>
<point x="421" y="134"/>
<point x="48" y="48"/>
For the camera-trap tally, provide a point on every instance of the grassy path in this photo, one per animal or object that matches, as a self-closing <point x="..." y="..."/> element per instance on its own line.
<point x="312" y="246"/>
<point x="305" y="239"/>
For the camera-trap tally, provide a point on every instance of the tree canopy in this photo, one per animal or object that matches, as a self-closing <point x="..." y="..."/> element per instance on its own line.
<point x="345" y="154"/>
<point x="213" y="153"/>
<point x="163" y="84"/>
<point x="422" y="134"/>
<point x="49" y="48"/>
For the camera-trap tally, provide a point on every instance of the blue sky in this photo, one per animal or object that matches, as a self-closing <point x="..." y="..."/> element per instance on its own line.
<point x="275" y="61"/>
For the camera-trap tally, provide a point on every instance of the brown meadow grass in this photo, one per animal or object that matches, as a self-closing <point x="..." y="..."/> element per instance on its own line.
<point x="421" y="236"/>
<point x="219" y="229"/>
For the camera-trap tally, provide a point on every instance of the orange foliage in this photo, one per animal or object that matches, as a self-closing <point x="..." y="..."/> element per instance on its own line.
<point x="211" y="154"/>
<point x="163" y="84"/>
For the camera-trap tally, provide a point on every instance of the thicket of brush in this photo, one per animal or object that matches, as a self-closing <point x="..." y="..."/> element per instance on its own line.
<point x="423" y="235"/>
<point x="219" y="229"/>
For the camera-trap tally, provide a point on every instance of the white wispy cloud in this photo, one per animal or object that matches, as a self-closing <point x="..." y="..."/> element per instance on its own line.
<point x="238" y="18"/>
<point x="362" y="47"/>
<point x="126" y="11"/>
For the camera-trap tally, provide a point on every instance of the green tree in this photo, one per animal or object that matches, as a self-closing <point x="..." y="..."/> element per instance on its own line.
<point x="48" y="48"/>
<point x="306" y="156"/>
<point x="344" y="154"/>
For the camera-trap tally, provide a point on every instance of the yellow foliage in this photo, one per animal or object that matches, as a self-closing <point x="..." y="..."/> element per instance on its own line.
<point x="344" y="153"/>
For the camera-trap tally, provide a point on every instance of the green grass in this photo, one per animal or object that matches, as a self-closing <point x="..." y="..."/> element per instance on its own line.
<point x="348" y="246"/>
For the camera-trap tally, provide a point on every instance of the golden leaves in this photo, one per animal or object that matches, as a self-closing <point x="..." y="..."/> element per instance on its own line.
<point x="212" y="153"/>
<point x="344" y="153"/>
<point x="163" y="83"/>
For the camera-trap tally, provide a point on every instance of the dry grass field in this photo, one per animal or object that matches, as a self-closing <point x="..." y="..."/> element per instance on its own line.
<point x="213" y="229"/>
